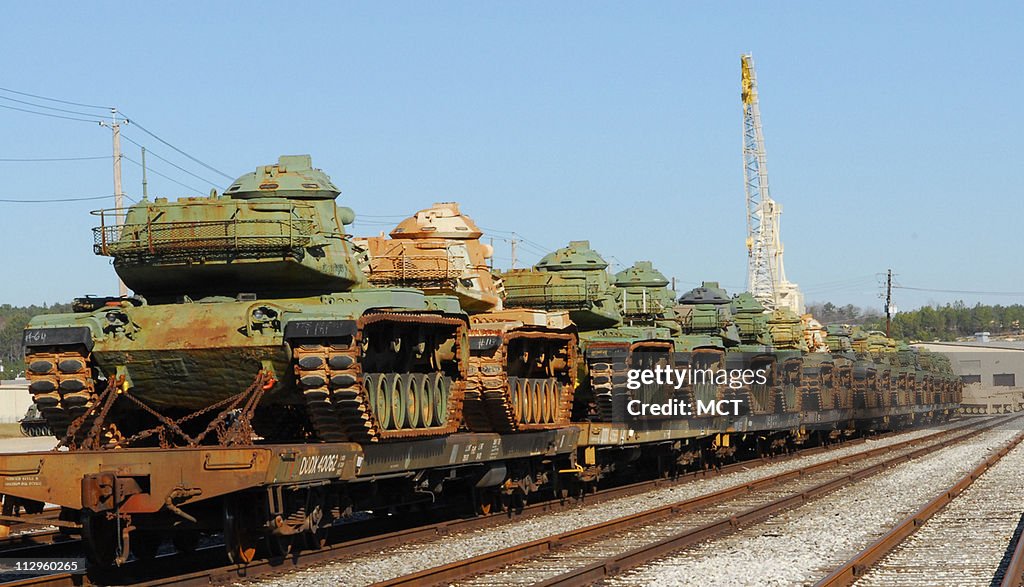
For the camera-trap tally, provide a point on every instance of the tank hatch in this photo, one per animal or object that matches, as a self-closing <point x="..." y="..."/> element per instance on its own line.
<point x="708" y="293"/>
<point x="641" y="274"/>
<point x="442" y="220"/>
<point x="578" y="255"/>
<point x="292" y="177"/>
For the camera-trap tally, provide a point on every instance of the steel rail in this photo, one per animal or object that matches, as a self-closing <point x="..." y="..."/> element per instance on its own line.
<point x="595" y="571"/>
<point x="859" y="564"/>
<point x="1013" y="576"/>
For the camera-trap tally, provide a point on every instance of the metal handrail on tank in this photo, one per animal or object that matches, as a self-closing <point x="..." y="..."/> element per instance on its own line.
<point x="144" y="241"/>
<point x="551" y="295"/>
<point x="415" y="268"/>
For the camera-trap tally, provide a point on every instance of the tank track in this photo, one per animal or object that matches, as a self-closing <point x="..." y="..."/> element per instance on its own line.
<point x="605" y="377"/>
<point x="62" y="386"/>
<point x="338" y="403"/>
<point x="497" y="402"/>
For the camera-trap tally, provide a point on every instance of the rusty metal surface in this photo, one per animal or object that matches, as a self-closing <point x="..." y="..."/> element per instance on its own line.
<point x="1014" y="574"/>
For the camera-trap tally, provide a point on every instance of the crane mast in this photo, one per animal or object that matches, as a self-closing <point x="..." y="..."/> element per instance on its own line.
<point x="766" y="274"/>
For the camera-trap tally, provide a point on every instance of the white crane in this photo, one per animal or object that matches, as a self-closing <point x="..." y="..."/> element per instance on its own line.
<point x="766" y="274"/>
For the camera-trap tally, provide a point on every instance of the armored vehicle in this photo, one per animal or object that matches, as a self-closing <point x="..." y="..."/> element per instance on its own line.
<point x="708" y="332"/>
<point x="520" y="373"/>
<point x="261" y="283"/>
<point x="574" y="278"/>
<point x="33" y="424"/>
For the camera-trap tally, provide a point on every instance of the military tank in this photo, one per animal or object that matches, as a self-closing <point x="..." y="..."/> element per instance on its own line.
<point x="708" y="332"/>
<point x="261" y="283"/>
<point x="818" y="375"/>
<point x="754" y="352"/>
<point x="33" y="423"/>
<point x="520" y="374"/>
<point x="613" y="337"/>
<point x="840" y="342"/>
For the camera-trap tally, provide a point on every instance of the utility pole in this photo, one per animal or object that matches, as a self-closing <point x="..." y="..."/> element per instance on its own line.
<point x="145" y="185"/>
<point x="115" y="128"/>
<point x="888" y="302"/>
<point x="514" y="252"/>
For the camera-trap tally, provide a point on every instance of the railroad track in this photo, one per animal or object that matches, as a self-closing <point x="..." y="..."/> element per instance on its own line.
<point x="196" y="569"/>
<point x="601" y="550"/>
<point x="967" y="535"/>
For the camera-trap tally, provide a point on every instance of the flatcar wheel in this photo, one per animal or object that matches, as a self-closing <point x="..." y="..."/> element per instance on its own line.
<point x="239" y="535"/>
<point x="186" y="541"/>
<point x="278" y="546"/>
<point x="100" y="537"/>
<point x="145" y="544"/>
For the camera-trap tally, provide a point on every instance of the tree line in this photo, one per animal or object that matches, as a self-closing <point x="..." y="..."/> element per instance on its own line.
<point x="13" y="320"/>
<point x="947" y="322"/>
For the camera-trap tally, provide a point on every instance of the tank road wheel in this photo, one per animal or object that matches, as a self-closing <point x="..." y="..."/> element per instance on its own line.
<point x="100" y="537"/>
<point x="537" y="395"/>
<point x="423" y="399"/>
<point x="444" y="392"/>
<point x="239" y="534"/>
<point x="396" y="400"/>
<point x="520" y="402"/>
<point x="378" y="398"/>
<point x="554" y="399"/>
<point x="544" y="390"/>
<point x="433" y="388"/>
<point x="412" y="406"/>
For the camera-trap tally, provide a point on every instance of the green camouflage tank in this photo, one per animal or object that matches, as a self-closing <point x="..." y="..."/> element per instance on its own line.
<point x="615" y="333"/>
<point x="258" y="285"/>
<point x="708" y="332"/>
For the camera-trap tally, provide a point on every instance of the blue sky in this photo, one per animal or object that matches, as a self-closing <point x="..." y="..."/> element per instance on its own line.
<point x="892" y="129"/>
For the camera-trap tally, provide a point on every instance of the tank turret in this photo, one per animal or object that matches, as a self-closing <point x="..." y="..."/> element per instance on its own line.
<point x="438" y="250"/>
<point x="276" y="231"/>
<point x="572" y="278"/>
<point x="706" y="310"/>
<point x="643" y="296"/>
<point x="751" y="320"/>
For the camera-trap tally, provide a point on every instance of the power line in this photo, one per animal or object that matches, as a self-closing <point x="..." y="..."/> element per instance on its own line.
<point x="167" y="177"/>
<point x="63" y="199"/>
<point x="48" y="107"/>
<point x="213" y="169"/>
<point x="54" y="99"/>
<point x="961" y="291"/>
<point x="48" y="114"/>
<point x="37" y="159"/>
<point x="176" y="166"/>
